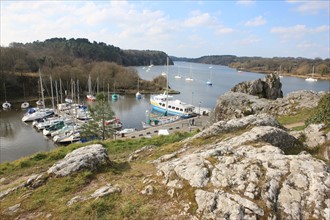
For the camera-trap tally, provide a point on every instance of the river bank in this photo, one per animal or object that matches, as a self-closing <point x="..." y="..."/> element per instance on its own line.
<point x="316" y="76"/>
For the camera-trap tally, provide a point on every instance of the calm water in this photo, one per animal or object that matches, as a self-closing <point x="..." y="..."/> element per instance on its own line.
<point x="19" y="139"/>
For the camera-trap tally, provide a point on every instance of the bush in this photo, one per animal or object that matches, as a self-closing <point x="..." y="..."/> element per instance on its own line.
<point x="322" y="112"/>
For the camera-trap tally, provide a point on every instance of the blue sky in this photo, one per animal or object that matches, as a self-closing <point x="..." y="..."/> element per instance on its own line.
<point x="180" y="28"/>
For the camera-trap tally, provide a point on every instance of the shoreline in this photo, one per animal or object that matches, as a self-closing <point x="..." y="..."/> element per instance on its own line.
<point x="316" y="76"/>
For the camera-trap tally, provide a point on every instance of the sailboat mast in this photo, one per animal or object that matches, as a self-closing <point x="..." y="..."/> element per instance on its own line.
<point x="42" y="90"/>
<point x="61" y="91"/>
<point x="78" y="91"/>
<point x="56" y="91"/>
<point x="51" y="89"/>
<point x="166" y="84"/>
<point x="89" y="85"/>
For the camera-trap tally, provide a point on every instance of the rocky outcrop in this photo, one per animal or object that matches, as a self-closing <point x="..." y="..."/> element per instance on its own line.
<point x="238" y="105"/>
<point x="225" y="126"/>
<point x="248" y="176"/>
<point x="269" y="89"/>
<point x="89" y="157"/>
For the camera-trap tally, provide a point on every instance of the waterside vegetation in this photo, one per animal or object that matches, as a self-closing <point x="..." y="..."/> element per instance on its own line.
<point x="298" y="67"/>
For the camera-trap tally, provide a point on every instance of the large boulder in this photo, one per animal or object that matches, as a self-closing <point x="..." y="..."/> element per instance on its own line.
<point x="89" y="157"/>
<point x="238" y="105"/>
<point x="248" y="176"/>
<point x="269" y="89"/>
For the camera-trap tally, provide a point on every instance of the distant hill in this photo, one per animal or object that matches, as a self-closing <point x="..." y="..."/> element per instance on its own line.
<point x="284" y="65"/>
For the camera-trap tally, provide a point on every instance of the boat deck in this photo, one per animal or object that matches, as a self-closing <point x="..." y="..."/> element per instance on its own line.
<point x="184" y="125"/>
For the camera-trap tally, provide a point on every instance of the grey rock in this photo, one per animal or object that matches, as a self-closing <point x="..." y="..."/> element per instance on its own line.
<point x="105" y="190"/>
<point x="249" y="177"/>
<point x="269" y="89"/>
<point x="225" y="126"/>
<point x="314" y="135"/>
<point x="12" y="209"/>
<point x="238" y="105"/>
<point x="75" y="200"/>
<point x="89" y="157"/>
<point x="148" y="190"/>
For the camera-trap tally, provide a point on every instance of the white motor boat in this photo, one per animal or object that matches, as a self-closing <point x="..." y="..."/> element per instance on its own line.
<point x="40" y="113"/>
<point x="25" y="105"/>
<point x="6" y="105"/>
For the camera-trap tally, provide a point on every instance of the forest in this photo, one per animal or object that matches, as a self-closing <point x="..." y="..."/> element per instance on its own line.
<point x="73" y="60"/>
<point x="283" y="65"/>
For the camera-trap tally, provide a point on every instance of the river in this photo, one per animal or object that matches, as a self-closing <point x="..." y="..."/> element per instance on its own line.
<point x="18" y="139"/>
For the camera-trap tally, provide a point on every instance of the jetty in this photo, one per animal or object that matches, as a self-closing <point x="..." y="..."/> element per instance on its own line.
<point x="183" y="125"/>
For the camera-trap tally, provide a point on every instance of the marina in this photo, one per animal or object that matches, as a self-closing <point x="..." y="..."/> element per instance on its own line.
<point x="19" y="139"/>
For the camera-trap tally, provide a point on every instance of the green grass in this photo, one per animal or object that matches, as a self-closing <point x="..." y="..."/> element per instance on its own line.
<point x="54" y="194"/>
<point x="301" y="116"/>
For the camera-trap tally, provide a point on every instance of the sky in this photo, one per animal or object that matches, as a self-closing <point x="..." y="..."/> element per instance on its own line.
<point x="287" y="28"/>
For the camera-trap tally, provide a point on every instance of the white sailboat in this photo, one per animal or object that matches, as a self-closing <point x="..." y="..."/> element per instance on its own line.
<point x="138" y="94"/>
<point x="38" y="113"/>
<point x="189" y="78"/>
<point x="178" y="76"/>
<point x="90" y="96"/>
<point x="25" y="104"/>
<point x="311" y="79"/>
<point x="209" y="82"/>
<point x="6" y="104"/>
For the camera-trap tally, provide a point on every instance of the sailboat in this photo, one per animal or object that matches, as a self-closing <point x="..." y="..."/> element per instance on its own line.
<point x="138" y="94"/>
<point x="190" y="77"/>
<point x="89" y="96"/>
<point x="38" y="113"/>
<point x="209" y="82"/>
<point x="178" y="76"/>
<point x="25" y="104"/>
<point x="5" y="105"/>
<point x="311" y="79"/>
<point x="114" y="95"/>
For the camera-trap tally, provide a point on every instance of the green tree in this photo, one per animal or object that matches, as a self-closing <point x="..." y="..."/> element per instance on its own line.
<point x="101" y="112"/>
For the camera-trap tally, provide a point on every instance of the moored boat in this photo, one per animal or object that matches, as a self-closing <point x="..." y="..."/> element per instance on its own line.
<point x="6" y="105"/>
<point x="165" y="103"/>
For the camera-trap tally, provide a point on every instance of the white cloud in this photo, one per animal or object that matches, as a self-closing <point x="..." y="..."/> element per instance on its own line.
<point x="245" y="2"/>
<point x="297" y="31"/>
<point x="311" y="7"/>
<point x="305" y="45"/>
<point x="224" y="30"/>
<point x="257" y="21"/>
<point x="199" y="19"/>
<point x="249" y="40"/>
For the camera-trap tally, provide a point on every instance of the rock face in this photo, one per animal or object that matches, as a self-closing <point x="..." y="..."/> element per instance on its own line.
<point x="248" y="176"/>
<point x="269" y="89"/>
<point x="89" y="157"/>
<point x="238" y="105"/>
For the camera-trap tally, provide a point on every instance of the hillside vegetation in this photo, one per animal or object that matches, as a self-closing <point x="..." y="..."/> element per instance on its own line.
<point x="73" y="59"/>
<point x="283" y="65"/>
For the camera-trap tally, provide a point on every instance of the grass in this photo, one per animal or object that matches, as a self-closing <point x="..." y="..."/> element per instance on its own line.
<point x="53" y="196"/>
<point x="301" y="116"/>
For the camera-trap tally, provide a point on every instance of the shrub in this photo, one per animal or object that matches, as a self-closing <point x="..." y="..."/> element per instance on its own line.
<point x="322" y="112"/>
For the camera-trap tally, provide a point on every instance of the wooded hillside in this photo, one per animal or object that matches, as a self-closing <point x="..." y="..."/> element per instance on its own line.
<point x="289" y="65"/>
<point x="71" y="59"/>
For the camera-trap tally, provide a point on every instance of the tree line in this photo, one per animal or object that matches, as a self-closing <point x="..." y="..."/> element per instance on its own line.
<point x="72" y="60"/>
<point x="289" y="65"/>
